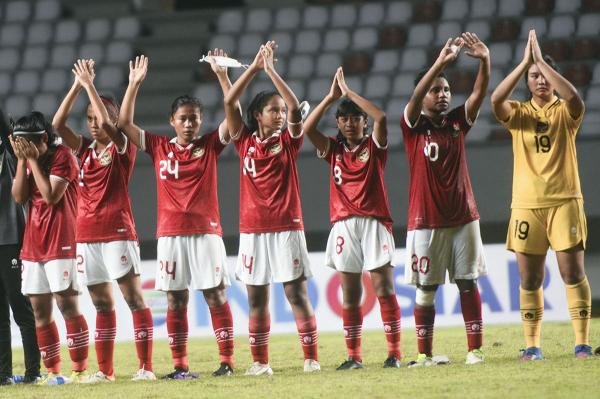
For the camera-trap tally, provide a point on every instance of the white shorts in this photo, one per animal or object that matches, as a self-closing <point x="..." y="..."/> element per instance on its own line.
<point x="357" y="244"/>
<point x="430" y="252"/>
<point x="49" y="277"/>
<point x="280" y="257"/>
<point x="196" y="261"/>
<point x="103" y="262"/>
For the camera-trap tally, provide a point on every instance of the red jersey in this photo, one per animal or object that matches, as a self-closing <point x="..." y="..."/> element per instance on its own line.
<point x="103" y="205"/>
<point x="50" y="229"/>
<point x="186" y="184"/>
<point x="440" y="193"/>
<point x="357" y="186"/>
<point x="269" y="189"/>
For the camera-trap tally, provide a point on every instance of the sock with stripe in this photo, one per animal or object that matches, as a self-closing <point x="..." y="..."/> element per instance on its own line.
<point x="259" y="329"/>
<point x="177" y="328"/>
<point x="353" y="319"/>
<point x="579" y="301"/>
<point x="390" y="315"/>
<point x="222" y="323"/>
<point x="49" y="344"/>
<point x="307" y="332"/>
<point x="143" y="331"/>
<point x="104" y="340"/>
<point x="78" y="341"/>
<point x="470" y="303"/>
<point x="532" y="311"/>
<point x="424" y="322"/>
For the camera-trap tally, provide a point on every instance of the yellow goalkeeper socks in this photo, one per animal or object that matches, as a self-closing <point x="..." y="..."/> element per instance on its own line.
<point x="579" y="301"/>
<point x="532" y="310"/>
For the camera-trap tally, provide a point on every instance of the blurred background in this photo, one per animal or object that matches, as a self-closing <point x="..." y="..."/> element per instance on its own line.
<point x="380" y="44"/>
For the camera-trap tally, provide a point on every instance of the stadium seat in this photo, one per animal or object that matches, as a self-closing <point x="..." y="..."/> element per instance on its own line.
<point x="318" y="89"/>
<point x="226" y="42"/>
<point x="45" y="103"/>
<point x="537" y="23"/>
<point x="97" y="29"/>
<point x="284" y="40"/>
<point x="17" y="105"/>
<point x="561" y="26"/>
<point x="566" y="6"/>
<point x="17" y="11"/>
<point x="455" y="9"/>
<point x="39" y="33"/>
<point x="404" y="85"/>
<point x="315" y="17"/>
<point x="377" y="86"/>
<point x="258" y="20"/>
<point x="12" y="35"/>
<point x="371" y="14"/>
<point x="501" y="53"/>
<point x="35" y="57"/>
<point x="287" y="19"/>
<point x="578" y="74"/>
<point x="589" y="25"/>
<point x="327" y="64"/>
<point x="539" y="7"/>
<point x="357" y="63"/>
<point x="398" y="13"/>
<point x="392" y="37"/>
<point x="364" y="39"/>
<point x="209" y="94"/>
<point x="5" y="83"/>
<point x="483" y="8"/>
<point x="336" y="40"/>
<point x="591" y="125"/>
<point x="47" y="10"/>
<point x="511" y="8"/>
<point x="260" y="85"/>
<point x="505" y="29"/>
<point x="596" y="74"/>
<point x="413" y="59"/>
<point x="590" y="6"/>
<point x="308" y="41"/>
<point x="586" y="49"/>
<point x="67" y="31"/>
<point x="301" y="66"/>
<point x="93" y="51"/>
<point x="248" y="44"/>
<point x="420" y="35"/>
<point x="480" y="131"/>
<point x="446" y="30"/>
<point x="230" y="21"/>
<point x="299" y="90"/>
<point x="343" y="16"/>
<point x="26" y="82"/>
<point x="127" y="28"/>
<point x="427" y="11"/>
<point x="9" y="59"/>
<point x="110" y="77"/>
<point x="480" y="27"/>
<point x="557" y="49"/>
<point x="56" y="80"/>
<point x="355" y="83"/>
<point x="63" y="56"/>
<point x="119" y="52"/>
<point x="386" y="61"/>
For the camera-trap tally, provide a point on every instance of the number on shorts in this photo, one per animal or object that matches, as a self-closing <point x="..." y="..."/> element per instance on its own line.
<point x="249" y="166"/>
<point x="248" y="266"/>
<point x="339" y="244"/>
<point x="79" y="264"/>
<point x="337" y="175"/>
<point x="164" y="267"/>
<point x="420" y="265"/>
<point x="521" y="229"/>
<point x="167" y="167"/>
<point x="542" y="143"/>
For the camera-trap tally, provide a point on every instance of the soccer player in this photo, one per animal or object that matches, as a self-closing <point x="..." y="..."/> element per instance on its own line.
<point x="46" y="180"/>
<point x="361" y="234"/>
<point x="12" y="225"/>
<point x="272" y="243"/>
<point x="107" y="247"/>
<point x="443" y="221"/>
<point x="190" y="249"/>
<point x="547" y="205"/>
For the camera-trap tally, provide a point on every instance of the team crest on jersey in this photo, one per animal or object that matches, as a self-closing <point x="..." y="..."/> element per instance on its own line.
<point x="541" y="127"/>
<point x="363" y="155"/>
<point x="198" y="152"/>
<point x="275" y="148"/>
<point x="338" y="158"/>
<point x="106" y="159"/>
<point x="455" y="129"/>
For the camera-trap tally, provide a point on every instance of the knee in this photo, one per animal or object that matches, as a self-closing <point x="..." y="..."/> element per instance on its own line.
<point x="103" y="305"/>
<point x="532" y="283"/>
<point x="177" y="302"/>
<point x="384" y="290"/>
<point x="425" y="297"/>
<point x="135" y="302"/>
<point x="215" y="297"/>
<point x="296" y="297"/>
<point x="465" y="285"/>
<point x="573" y="276"/>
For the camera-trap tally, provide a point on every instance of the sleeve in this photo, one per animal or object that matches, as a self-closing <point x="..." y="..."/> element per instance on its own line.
<point x="150" y="141"/>
<point x="573" y="124"/>
<point x="514" y="118"/>
<point x="64" y="165"/>
<point x="84" y="143"/>
<point x="459" y="121"/>
<point x="407" y="128"/>
<point x="327" y="155"/>
<point x="295" y="142"/>
<point x="214" y="140"/>
<point x="239" y="140"/>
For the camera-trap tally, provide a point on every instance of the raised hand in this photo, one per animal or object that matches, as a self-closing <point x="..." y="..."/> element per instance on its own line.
<point x="475" y="47"/>
<point x="268" y="51"/>
<point x="335" y="92"/>
<point x="536" y="51"/>
<point x="217" y="69"/>
<point x="258" y="62"/>
<point x="450" y="51"/>
<point x="138" y="69"/>
<point x="339" y="74"/>
<point x="527" y="55"/>
<point x="84" y="72"/>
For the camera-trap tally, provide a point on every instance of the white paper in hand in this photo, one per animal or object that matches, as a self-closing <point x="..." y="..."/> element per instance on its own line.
<point x="225" y="62"/>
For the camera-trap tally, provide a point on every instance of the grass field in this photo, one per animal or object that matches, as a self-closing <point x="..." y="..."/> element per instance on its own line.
<point x="560" y="375"/>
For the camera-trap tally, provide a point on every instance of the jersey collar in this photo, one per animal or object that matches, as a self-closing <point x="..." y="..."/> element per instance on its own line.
<point x="93" y="145"/>
<point x="347" y="149"/>
<point x="179" y="146"/>
<point x="276" y="133"/>
<point x="555" y="100"/>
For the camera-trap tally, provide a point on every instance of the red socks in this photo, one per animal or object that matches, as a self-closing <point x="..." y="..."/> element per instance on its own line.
<point x="353" y="320"/>
<point x="307" y="332"/>
<point x="143" y="331"/>
<point x="222" y="323"/>
<point x="470" y="303"/>
<point x="78" y="339"/>
<point x="259" y="329"/>
<point x="49" y="343"/>
<point x="390" y="315"/>
<point x="424" y="319"/>
<point x="177" y="327"/>
<point x="104" y="340"/>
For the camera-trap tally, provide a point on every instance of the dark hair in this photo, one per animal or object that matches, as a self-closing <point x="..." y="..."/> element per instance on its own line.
<point x="347" y="107"/>
<point x="257" y="104"/>
<point x="550" y="61"/>
<point x="111" y="104"/>
<point x="185" y="100"/>
<point x="35" y="121"/>
<point x="422" y="73"/>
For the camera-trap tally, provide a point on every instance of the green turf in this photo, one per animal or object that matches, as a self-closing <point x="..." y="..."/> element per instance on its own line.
<point x="561" y="375"/>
